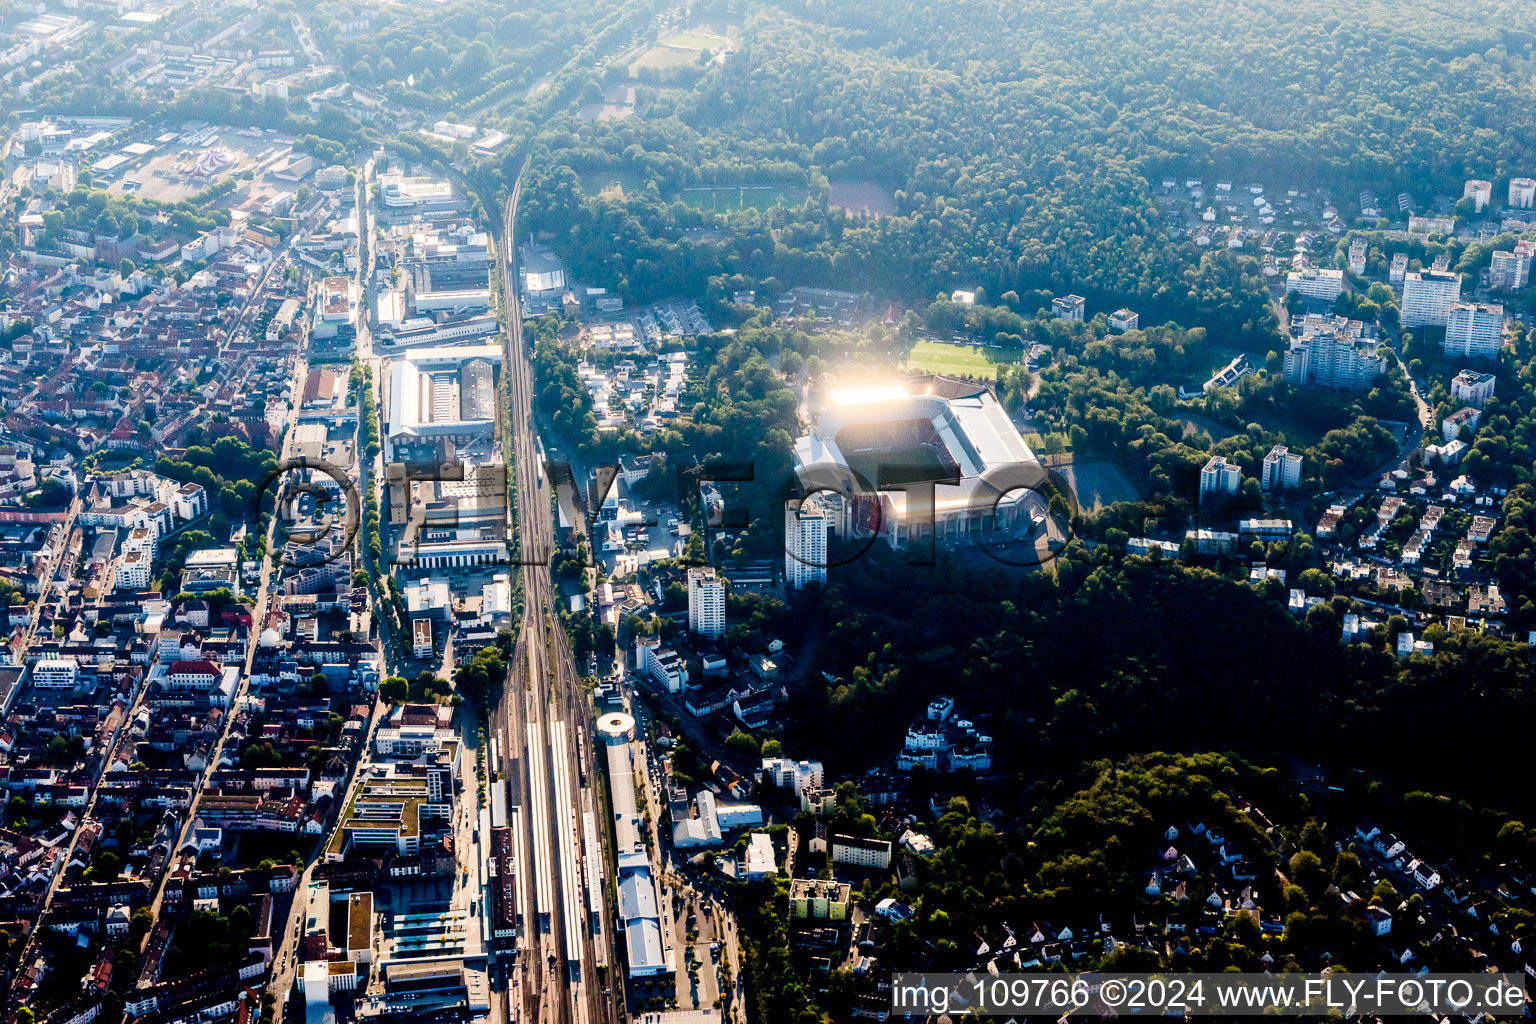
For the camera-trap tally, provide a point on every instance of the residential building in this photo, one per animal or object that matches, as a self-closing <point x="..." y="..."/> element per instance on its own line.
<point x="1475" y="330"/>
<point x="1522" y="193"/>
<point x="1450" y="427"/>
<point x="819" y="898"/>
<point x="805" y="544"/>
<point x="1282" y="470"/>
<point x="1316" y="283"/>
<point x="706" y="602"/>
<point x="1332" y="352"/>
<point x="1508" y="272"/>
<point x="1122" y="320"/>
<point x="662" y="664"/>
<point x="865" y="853"/>
<point x="1472" y="388"/>
<point x="795" y="776"/>
<point x="1069" y="307"/>
<point x="1219" y="476"/>
<point x="1398" y="269"/>
<point x="1357" y="256"/>
<point x="1480" y="192"/>
<point x="1428" y="297"/>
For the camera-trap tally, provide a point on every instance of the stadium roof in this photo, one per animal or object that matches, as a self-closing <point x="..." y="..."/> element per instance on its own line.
<point x="973" y="429"/>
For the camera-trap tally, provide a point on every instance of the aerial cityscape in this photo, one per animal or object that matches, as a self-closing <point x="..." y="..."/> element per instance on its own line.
<point x="731" y="511"/>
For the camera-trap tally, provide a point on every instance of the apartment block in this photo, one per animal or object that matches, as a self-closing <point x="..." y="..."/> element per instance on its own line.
<point x="1428" y="297"/>
<point x="1475" y="330"/>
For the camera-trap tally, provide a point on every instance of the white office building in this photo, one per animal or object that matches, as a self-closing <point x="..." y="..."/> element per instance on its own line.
<point x="1282" y="469"/>
<point x="706" y="602"/>
<point x="1220" y="477"/>
<point x="1475" y="329"/>
<point x="805" y="545"/>
<point x="55" y="673"/>
<point x="1428" y="297"/>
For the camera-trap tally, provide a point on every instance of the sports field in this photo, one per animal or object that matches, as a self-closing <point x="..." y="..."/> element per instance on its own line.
<point x="696" y="41"/>
<point x="894" y="467"/>
<point x="941" y="357"/>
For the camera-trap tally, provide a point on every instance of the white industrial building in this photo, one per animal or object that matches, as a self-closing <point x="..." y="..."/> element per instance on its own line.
<point x="639" y="909"/>
<point x="442" y="393"/>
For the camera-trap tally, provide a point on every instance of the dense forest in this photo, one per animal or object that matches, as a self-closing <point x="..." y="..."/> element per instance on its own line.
<point x="1020" y="152"/>
<point x="1110" y="655"/>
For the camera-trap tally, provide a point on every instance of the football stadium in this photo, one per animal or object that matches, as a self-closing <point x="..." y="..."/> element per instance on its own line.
<point x="872" y="445"/>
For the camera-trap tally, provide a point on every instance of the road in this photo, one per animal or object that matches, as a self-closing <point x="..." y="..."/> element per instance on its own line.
<point x="258" y="616"/>
<point x="559" y="981"/>
<point x="285" y="962"/>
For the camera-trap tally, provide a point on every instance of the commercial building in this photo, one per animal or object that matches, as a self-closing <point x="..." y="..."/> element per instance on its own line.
<point x="1428" y="297"/>
<point x="706" y="602"/>
<point x="55" y="673"/>
<point x="1282" y="469"/>
<point x="1218" y="476"/>
<point x="402" y="196"/>
<point x="639" y="913"/>
<point x="336" y="310"/>
<point x="1472" y="387"/>
<point x="1316" y="283"/>
<point x="761" y="861"/>
<point x="1475" y="330"/>
<point x="438" y="394"/>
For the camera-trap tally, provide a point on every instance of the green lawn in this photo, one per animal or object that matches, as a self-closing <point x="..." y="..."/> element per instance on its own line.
<point x="696" y="41"/>
<point x="664" y="57"/>
<point x="971" y="360"/>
